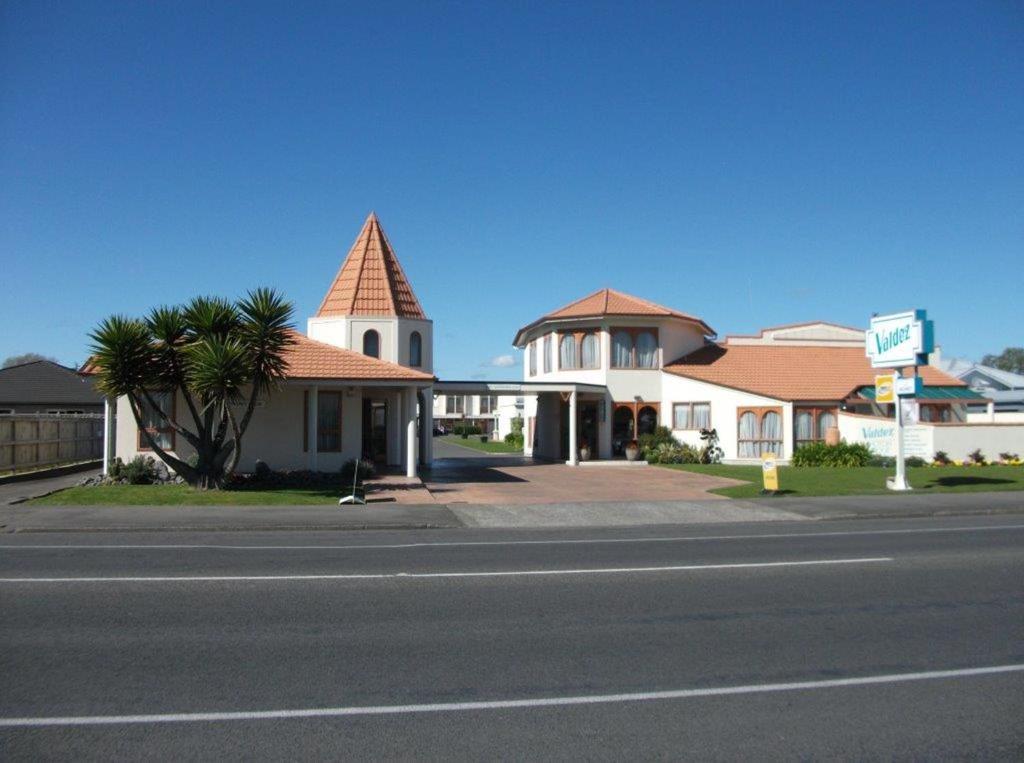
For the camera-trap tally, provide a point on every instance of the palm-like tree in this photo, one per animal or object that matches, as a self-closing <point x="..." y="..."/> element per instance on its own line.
<point x="215" y="355"/>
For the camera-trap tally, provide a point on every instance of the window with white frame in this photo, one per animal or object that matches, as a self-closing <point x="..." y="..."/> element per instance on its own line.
<point x="488" y="403"/>
<point x="155" y="422"/>
<point x="454" y="404"/>
<point x="567" y="352"/>
<point x="547" y="353"/>
<point x="532" y="355"/>
<point x="691" y="416"/>
<point x="634" y="348"/>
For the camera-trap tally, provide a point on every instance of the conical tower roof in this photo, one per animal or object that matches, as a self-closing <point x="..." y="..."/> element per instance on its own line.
<point x="371" y="280"/>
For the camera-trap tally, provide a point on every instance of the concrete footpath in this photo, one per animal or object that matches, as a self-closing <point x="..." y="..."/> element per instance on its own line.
<point x="26" y="518"/>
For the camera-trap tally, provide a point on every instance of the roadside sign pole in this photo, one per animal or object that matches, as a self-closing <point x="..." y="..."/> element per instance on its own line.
<point x="899" y="482"/>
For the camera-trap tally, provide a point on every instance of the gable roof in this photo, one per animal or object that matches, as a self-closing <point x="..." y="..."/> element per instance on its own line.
<point x="611" y="302"/>
<point x="790" y="373"/>
<point x="371" y="280"/>
<point x="310" y="359"/>
<point x="963" y="368"/>
<point x="43" y="382"/>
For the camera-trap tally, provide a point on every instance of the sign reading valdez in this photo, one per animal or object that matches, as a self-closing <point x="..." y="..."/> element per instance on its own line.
<point x="900" y="339"/>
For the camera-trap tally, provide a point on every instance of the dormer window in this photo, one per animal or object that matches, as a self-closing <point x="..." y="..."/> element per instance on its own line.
<point x="635" y="348"/>
<point x="415" y="349"/>
<point x="371" y="344"/>
<point x="580" y="349"/>
<point x="567" y="353"/>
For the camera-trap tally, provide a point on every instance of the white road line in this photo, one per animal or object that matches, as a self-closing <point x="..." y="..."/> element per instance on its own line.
<point x="448" y="707"/>
<point x="547" y="542"/>
<point x="430" y="575"/>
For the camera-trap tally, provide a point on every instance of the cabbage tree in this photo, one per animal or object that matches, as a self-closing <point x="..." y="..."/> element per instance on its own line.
<point x="218" y="356"/>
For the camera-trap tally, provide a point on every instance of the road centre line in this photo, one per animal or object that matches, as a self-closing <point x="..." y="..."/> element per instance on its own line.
<point x="435" y="575"/>
<point x="548" y="542"/>
<point x="443" y="707"/>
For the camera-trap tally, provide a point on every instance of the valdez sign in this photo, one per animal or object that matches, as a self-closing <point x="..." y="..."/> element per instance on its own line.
<point x="901" y="339"/>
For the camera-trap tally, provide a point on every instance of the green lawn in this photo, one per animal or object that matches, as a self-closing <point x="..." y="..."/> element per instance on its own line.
<point x="822" y="480"/>
<point x="183" y="495"/>
<point x="473" y="441"/>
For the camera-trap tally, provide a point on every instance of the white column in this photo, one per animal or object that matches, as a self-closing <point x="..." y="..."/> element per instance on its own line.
<point x="311" y="427"/>
<point x="410" y="432"/>
<point x="109" y="407"/>
<point x="991" y="410"/>
<point x="573" y="451"/>
<point x="428" y="426"/>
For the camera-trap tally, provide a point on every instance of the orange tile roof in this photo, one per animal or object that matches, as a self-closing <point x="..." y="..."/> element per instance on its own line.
<point x="310" y="359"/>
<point x="371" y="280"/>
<point x="611" y="302"/>
<point x="790" y="373"/>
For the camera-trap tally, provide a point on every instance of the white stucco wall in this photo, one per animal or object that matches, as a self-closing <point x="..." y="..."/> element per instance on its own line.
<point x="276" y="432"/>
<point x="724" y="404"/>
<point x="347" y="332"/>
<point x="923" y="440"/>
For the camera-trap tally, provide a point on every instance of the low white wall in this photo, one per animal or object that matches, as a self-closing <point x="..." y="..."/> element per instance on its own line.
<point x="1000" y="417"/>
<point x="923" y="440"/>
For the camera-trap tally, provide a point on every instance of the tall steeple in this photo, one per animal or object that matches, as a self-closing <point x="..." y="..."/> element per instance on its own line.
<point x="371" y="280"/>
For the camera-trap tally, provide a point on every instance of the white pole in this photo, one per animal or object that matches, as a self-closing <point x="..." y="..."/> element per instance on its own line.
<point x="899" y="482"/>
<point x="573" y="454"/>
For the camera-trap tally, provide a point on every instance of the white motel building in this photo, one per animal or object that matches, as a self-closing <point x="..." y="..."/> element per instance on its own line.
<point x="602" y="370"/>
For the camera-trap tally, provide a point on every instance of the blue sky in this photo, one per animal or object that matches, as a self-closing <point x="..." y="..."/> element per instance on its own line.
<point x="751" y="163"/>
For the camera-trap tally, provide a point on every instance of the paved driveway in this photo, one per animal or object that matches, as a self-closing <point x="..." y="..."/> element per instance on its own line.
<point x="460" y="475"/>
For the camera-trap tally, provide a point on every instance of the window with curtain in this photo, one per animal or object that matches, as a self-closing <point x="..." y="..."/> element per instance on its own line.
<point x="590" y="352"/>
<point x="646" y="350"/>
<point x="454" y="404"/>
<point x="154" y="423"/>
<point x="567" y="352"/>
<point x="328" y="422"/>
<point x="415" y="349"/>
<point x="701" y="416"/>
<point x="488" y="403"/>
<point x="532" y="353"/>
<point x="547" y="353"/>
<point x="803" y="427"/>
<point x="771" y="433"/>
<point x="371" y="344"/>
<point x="749" y="433"/>
<point x="826" y="420"/>
<point x="691" y="416"/>
<point x="622" y="350"/>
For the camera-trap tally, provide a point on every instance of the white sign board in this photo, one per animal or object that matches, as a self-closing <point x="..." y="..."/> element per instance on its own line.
<point x="900" y="339"/>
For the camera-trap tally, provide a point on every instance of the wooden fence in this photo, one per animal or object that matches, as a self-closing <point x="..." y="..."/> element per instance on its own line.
<point x="36" y="440"/>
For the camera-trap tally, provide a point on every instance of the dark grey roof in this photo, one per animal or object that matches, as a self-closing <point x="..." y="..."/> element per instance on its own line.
<point x="43" y="382"/>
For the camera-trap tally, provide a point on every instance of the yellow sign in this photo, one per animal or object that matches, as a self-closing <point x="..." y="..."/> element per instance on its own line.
<point x="769" y="471"/>
<point x="885" y="388"/>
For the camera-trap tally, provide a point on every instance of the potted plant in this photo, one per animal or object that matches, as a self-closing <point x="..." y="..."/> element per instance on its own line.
<point x="632" y="450"/>
<point x="584" y="451"/>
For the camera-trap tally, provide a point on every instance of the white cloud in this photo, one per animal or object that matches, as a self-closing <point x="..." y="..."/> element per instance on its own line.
<point x="500" y="361"/>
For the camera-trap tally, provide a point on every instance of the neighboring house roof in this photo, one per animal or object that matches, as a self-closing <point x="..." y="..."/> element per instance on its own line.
<point x="961" y="368"/>
<point x="310" y="359"/>
<point x="611" y="302"/>
<point x="790" y="373"/>
<point x="371" y="280"/>
<point x="43" y="382"/>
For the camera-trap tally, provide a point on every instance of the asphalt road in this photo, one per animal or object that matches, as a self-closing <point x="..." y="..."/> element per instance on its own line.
<point x="602" y="644"/>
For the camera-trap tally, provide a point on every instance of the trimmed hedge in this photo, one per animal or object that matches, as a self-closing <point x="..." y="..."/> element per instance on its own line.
<point x="841" y="455"/>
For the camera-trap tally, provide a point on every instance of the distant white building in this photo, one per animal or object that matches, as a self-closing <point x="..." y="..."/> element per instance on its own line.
<point x="493" y="414"/>
<point x="1004" y="388"/>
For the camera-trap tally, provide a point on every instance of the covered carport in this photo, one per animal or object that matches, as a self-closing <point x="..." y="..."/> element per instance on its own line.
<point x="547" y="433"/>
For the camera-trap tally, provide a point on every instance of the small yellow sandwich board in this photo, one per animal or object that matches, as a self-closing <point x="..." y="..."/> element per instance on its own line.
<point x="769" y="472"/>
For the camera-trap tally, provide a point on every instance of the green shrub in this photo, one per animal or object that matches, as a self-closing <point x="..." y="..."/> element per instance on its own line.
<point x="841" y="455"/>
<point x="667" y="453"/>
<point x="914" y="461"/>
<point x="515" y="439"/>
<point x="366" y="469"/>
<point x="465" y="430"/>
<point x="649" y="442"/>
<point x="941" y="458"/>
<point x="976" y="457"/>
<point x="885" y="461"/>
<point x="711" y="453"/>
<point x="141" y="470"/>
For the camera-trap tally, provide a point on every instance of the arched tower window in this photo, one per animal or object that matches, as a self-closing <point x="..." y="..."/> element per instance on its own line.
<point x="415" y="349"/>
<point x="371" y="344"/>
